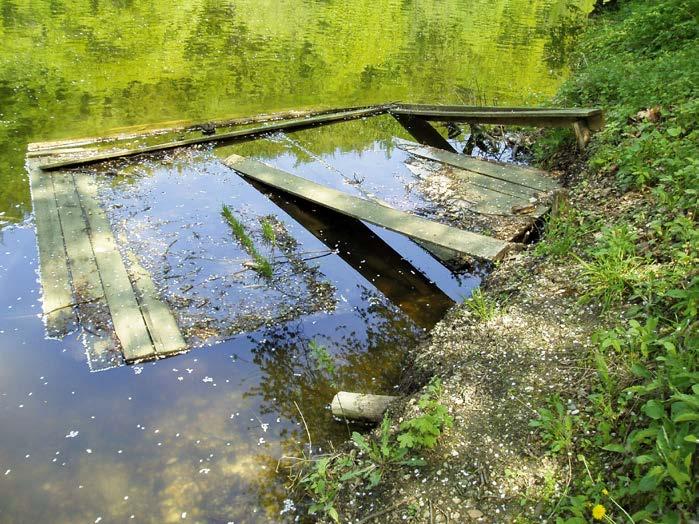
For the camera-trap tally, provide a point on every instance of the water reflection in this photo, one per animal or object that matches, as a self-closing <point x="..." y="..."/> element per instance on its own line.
<point x="82" y="67"/>
<point x="196" y="437"/>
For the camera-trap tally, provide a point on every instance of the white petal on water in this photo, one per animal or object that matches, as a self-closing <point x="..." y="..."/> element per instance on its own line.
<point x="72" y="433"/>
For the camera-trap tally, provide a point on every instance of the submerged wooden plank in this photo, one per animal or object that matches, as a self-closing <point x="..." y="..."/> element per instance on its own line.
<point x="519" y="175"/>
<point x="507" y="116"/>
<point x="162" y="327"/>
<point x="83" y="267"/>
<point x="57" y="303"/>
<point x="128" y="321"/>
<point x="242" y="134"/>
<point x="480" y="199"/>
<point x="77" y="145"/>
<point x="415" y="227"/>
<point x="93" y="312"/>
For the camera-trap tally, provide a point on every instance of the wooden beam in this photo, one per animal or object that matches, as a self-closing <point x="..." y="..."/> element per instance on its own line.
<point x="78" y="145"/>
<point x="423" y="132"/>
<point x="512" y="174"/>
<point x="545" y="117"/>
<point x="242" y="134"/>
<point x="57" y="299"/>
<point x="410" y="225"/>
<point x="129" y="325"/>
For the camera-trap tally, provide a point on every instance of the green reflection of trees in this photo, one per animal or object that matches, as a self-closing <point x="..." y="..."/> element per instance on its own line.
<point x="83" y="66"/>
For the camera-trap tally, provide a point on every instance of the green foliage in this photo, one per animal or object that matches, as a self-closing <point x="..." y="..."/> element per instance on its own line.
<point x="268" y="232"/>
<point x="563" y="233"/>
<point x="636" y="441"/>
<point x="372" y="458"/>
<point x="482" y="306"/>
<point x="555" y="425"/>
<point x="324" y="361"/>
<point x="261" y="264"/>
<point x="424" y="430"/>
<point x="614" y="268"/>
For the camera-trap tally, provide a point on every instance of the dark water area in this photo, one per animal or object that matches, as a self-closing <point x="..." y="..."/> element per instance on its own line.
<point x="197" y="437"/>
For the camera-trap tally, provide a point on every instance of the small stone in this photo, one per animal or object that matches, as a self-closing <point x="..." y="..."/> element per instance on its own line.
<point x="474" y="513"/>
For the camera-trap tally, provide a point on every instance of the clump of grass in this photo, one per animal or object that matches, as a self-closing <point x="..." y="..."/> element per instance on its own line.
<point x="262" y="265"/>
<point x="563" y="233"/>
<point x="268" y="232"/>
<point x="614" y="267"/>
<point x="481" y="306"/>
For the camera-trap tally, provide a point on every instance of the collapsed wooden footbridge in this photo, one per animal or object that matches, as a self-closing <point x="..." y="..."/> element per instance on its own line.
<point x="88" y="280"/>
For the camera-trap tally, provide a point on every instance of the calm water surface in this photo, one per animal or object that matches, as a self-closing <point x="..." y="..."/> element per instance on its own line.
<point x="197" y="437"/>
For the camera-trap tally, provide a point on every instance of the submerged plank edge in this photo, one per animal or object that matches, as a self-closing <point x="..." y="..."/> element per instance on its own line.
<point x="527" y="177"/>
<point x="410" y="225"/>
<point x="57" y="298"/>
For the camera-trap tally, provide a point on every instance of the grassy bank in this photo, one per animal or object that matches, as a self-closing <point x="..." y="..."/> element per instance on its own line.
<point x="634" y="445"/>
<point x="571" y="379"/>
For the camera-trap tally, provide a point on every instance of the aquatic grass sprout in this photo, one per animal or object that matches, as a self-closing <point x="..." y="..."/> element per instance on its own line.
<point x="261" y="264"/>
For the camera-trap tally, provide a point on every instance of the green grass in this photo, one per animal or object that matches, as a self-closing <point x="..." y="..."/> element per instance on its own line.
<point x="268" y="232"/>
<point x="634" y="447"/>
<point x="482" y="306"/>
<point x="262" y="264"/>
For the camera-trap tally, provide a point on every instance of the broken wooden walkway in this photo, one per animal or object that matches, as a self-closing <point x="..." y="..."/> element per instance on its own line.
<point x="85" y="279"/>
<point x="88" y="281"/>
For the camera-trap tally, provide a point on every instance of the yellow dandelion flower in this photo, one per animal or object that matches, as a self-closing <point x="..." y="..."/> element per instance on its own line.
<point x="598" y="512"/>
<point x="605" y="492"/>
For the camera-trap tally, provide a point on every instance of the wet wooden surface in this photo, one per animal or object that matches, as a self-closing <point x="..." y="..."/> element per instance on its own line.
<point x="85" y="279"/>
<point x="471" y="244"/>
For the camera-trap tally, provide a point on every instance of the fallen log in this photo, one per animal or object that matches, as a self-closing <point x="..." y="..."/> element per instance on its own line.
<point x="360" y="406"/>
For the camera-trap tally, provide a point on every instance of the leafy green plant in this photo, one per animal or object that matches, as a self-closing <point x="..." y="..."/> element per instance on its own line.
<point x="424" y="430"/>
<point x="555" y="425"/>
<point x="482" y="306"/>
<point x="324" y="361"/>
<point x="372" y="458"/>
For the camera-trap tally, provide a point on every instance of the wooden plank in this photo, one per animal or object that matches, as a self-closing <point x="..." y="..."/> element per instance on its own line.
<point x="162" y="326"/>
<point x="504" y="116"/>
<point x="423" y="132"/>
<point x="415" y="227"/>
<point x="76" y="145"/>
<point x="519" y="175"/>
<point x="57" y="298"/>
<point x="242" y="134"/>
<point x="87" y="284"/>
<point x="481" y="199"/>
<point x="128" y="321"/>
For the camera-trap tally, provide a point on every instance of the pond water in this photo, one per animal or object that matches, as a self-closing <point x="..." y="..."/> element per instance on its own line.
<point x="197" y="437"/>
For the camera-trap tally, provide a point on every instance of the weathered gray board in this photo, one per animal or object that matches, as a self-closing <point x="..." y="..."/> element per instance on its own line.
<point x="465" y="242"/>
<point x="509" y="178"/>
<point x="297" y="123"/>
<point x="83" y="274"/>
<point x="524" y="116"/>
<point x="57" y="297"/>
